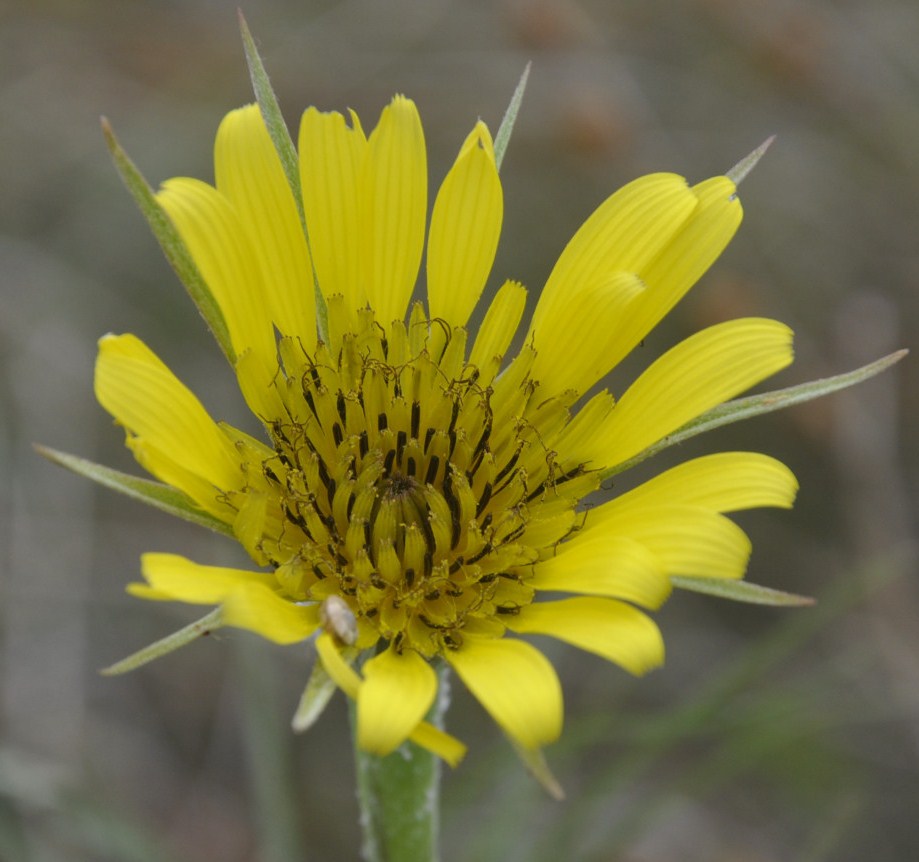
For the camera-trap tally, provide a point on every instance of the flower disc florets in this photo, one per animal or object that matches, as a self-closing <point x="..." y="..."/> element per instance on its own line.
<point x="413" y="485"/>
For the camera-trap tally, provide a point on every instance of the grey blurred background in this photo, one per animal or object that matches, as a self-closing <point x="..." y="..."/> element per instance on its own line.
<point x="770" y="734"/>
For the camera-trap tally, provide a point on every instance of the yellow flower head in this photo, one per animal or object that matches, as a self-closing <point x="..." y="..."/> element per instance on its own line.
<point x="420" y="493"/>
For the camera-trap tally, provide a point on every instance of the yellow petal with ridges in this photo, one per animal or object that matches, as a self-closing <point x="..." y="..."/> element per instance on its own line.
<point x="701" y="372"/>
<point x="622" y="235"/>
<point x="249" y="173"/>
<point x="611" y="629"/>
<point x="600" y="564"/>
<point x="573" y="347"/>
<point x="345" y="676"/>
<point x="137" y="388"/>
<point x="498" y="327"/>
<point x="174" y="578"/>
<point x="465" y="226"/>
<point x="680" y="263"/>
<point x="686" y="540"/>
<point x="397" y="691"/>
<point x="211" y="229"/>
<point x="332" y="156"/>
<point x="724" y="482"/>
<point x="515" y="683"/>
<point x="258" y="609"/>
<point x="395" y="185"/>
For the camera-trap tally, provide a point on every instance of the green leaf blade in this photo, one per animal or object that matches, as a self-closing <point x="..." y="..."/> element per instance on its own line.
<point x="162" y="497"/>
<point x="171" y="243"/>
<point x="742" y="591"/>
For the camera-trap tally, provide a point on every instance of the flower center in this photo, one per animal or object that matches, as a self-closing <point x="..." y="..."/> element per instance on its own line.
<point x="411" y="487"/>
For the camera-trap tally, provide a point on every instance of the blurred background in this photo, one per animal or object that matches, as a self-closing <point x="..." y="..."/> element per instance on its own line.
<point x="770" y="734"/>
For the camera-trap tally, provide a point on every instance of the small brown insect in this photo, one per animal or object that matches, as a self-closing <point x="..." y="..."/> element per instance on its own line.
<point x="338" y="620"/>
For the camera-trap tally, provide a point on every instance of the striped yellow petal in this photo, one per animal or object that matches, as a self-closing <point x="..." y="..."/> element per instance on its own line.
<point x="397" y="691"/>
<point x="498" y="327"/>
<point x="249" y="173"/>
<point x="602" y="564"/>
<point x="614" y="630"/>
<point x="332" y="156"/>
<point x="258" y="609"/>
<point x="686" y="540"/>
<point x="515" y="683"/>
<point x="465" y="226"/>
<point x="211" y="228"/>
<point x="623" y="235"/>
<point x="346" y="678"/>
<point x="175" y="578"/>
<point x="680" y="263"/>
<point x="395" y="208"/>
<point x="724" y="482"/>
<point x="572" y="350"/>
<point x="136" y="387"/>
<point x="701" y="372"/>
<point x="624" y="283"/>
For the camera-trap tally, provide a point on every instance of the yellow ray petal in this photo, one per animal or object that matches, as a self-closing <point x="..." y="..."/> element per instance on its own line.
<point x="622" y="235"/>
<point x="395" y="208"/>
<point x="625" y="283"/>
<point x="210" y="226"/>
<point x="258" y="609"/>
<point x="498" y="329"/>
<point x="602" y="564"/>
<point x="143" y="395"/>
<point x="614" y="630"/>
<point x="680" y="263"/>
<point x="332" y="156"/>
<point x="346" y="678"/>
<point x="724" y="482"/>
<point x="249" y="173"/>
<point x="465" y="227"/>
<point x="515" y="683"/>
<point x="174" y="578"/>
<point x="701" y="372"/>
<point x="397" y="692"/>
<point x="572" y="348"/>
<point x="686" y="540"/>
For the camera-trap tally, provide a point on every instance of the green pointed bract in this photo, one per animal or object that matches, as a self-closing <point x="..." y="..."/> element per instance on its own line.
<point x="741" y="591"/>
<point x="742" y="169"/>
<point x="287" y="153"/>
<point x="503" y="137"/>
<point x="535" y="762"/>
<point x="319" y="689"/>
<point x="198" y="629"/>
<point x="758" y="405"/>
<point x="162" y="497"/>
<point x="168" y="237"/>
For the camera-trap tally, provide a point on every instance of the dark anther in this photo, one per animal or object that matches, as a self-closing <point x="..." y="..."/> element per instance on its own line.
<point x="431" y="473"/>
<point x="388" y="462"/>
<point x="507" y="609"/>
<point x="416" y="419"/>
<point x="409" y="577"/>
<point x="340" y="403"/>
<point x="363" y="444"/>
<point x="483" y="500"/>
<point x="337" y="434"/>
<point x="428" y="437"/>
<point x="410" y="466"/>
<point x="401" y="440"/>
<point x="382" y="422"/>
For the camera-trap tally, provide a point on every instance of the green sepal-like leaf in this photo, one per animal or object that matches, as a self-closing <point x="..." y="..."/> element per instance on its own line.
<point x="317" y="694"/>
<point x="535" y="762"/>
<point x="758" y="405"/>
<point x="503" y="137"/>
<point x="162" y="497"/>
<point x="741" y="591"/>
<point x="168" y="237"/>
<point x="287" y="153"/>
<point x="198" y="629"/>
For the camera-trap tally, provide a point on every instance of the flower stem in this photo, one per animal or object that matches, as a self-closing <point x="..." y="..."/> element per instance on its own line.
<point x="399" y="796"/>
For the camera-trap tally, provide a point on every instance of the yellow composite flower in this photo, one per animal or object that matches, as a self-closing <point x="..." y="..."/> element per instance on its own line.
<point x="420" y="493"/>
